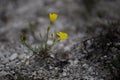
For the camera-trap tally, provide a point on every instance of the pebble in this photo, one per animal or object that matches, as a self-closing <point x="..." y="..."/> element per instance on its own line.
<point x="67" y="48"/>
<point x="92" y="78"/>
<point x="51" y="55"/>
<point x="50" y="42"/>
<point x="61" y="45"/>
<point x="56" y="68"/>
<point x="2" y="73"/>
<point x="85" y="65"/>
<point x="90" y="69"/>
<point x="73" y="62"/>
<point x="64" y="74"/>
<point x="14" y="56"/>
<point x="50" y="67"/>
<point x="1" y="67"/>
<point x="22" y="56"/>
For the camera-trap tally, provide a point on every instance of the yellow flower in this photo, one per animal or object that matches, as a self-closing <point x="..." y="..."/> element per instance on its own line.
<point x="53" y="17"/>
<point x="62" y="35"/>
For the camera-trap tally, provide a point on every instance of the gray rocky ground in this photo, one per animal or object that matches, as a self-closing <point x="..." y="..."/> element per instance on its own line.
<point x="76" y="19"/>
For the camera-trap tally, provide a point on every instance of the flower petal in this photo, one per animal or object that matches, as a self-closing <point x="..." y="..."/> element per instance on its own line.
<point x="53" y="17"/>
<point x="62" y="35"/>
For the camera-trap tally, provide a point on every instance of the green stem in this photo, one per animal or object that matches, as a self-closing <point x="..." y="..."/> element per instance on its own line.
<point x="24" y="43"/>
<point x="54" y="42"/>
<point x="41" y="42"/>
<point x="48" y="29"/>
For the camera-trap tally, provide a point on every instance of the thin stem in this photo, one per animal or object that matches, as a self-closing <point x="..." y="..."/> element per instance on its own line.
<point x="33" y="35"/>
<point x="48" y="29"/>
<point x="24" y="43"/>
<point x="41" y="40"/>
<point x="54" y="42"/>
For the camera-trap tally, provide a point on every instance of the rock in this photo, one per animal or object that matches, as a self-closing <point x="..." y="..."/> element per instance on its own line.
<point x="2" y="73"/>
<point x="49" y="42"/>
<point x="73" y="62"/>
<point x="50" y="67"/>
<point x="64" y="74"/>
<point x="67" y="48"/>
<point x="14" y="56"/>
<point x="22" y="56"/>
<point x="85" y="65"/>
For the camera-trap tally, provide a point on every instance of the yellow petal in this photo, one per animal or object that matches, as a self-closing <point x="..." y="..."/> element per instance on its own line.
<point x="53" y="17"/>
<point x="62" y="35"/>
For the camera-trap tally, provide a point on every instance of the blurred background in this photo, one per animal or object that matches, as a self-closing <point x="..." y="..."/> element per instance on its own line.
<point x="76" y="17"/>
